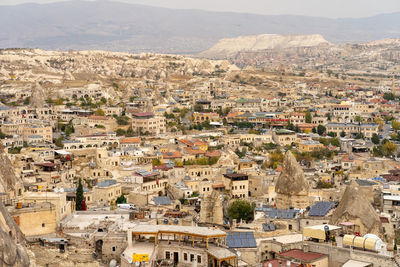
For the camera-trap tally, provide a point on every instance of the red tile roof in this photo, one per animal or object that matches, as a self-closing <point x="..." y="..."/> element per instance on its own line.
<point x="172" y="155"/>
<point x="214" y="153"/>
<point x="192" y="143"/>
<point x="130" y="140"/>
<point x="143" y="114"/>
<point x="194" y="151"/>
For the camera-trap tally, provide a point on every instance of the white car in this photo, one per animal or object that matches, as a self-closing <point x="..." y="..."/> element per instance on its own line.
<point x="127" y="206"/>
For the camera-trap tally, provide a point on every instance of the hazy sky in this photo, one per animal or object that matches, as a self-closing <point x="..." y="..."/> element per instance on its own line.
<point x="322" y="8"/>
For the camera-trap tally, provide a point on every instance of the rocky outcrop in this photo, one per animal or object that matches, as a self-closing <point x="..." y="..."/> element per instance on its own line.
<point x="8" y="180"/>
<point x="12" y="250"/>
<point x="292" y="187"/>
<point x="211" y="209"/>
<point x="355" y="207"/>
<point x="38" y="96"/>
<point x="227" y="48"/>
<point x="292" y="181"/>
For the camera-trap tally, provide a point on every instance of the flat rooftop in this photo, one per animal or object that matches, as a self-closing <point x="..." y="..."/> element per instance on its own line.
<point x="189" y="230"/>
<point x="82" y="221"/>
<point x="138" y="248"/>
<point x="283" y="239"/>
<point x="221" y="253"/>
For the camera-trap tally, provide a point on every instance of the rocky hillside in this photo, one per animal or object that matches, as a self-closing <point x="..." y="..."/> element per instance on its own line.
<point x="227" y="48"/>
<point x="12" y="249"/>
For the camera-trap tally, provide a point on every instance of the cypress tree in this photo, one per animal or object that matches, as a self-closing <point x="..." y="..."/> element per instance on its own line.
<point x="79" y="196"/>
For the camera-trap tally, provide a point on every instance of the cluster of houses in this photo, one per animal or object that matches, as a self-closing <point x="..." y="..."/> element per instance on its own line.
<point x="295" y="158"/>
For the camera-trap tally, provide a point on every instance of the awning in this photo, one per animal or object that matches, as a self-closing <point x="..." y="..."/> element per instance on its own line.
<point x="62" y="152"/>
<point x="318" y="231"/>
<point x="220" y="253"/>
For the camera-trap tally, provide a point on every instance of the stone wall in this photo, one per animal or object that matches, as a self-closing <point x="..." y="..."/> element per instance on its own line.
<point x="338" y="256"/>
<point x="285" y="201"/>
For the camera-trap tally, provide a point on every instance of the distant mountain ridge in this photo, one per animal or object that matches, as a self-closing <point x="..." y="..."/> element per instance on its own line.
<point x="137" y="28"/>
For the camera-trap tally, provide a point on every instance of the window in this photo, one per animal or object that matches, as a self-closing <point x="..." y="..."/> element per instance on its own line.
<point x="185" y="256"/>
<point x="167" y="255"/>
<point x="191" y="257"/>
<point x="198" y="259"/>
<point x="43" y="224"/>
<point x="113" y="249"/>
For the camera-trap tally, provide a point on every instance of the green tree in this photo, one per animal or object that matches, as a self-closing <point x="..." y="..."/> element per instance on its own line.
<point x="27" y="101"/>
<point x="58" y="142"/>
<point x="389" y="148"/>
<point x="69" y="129"/>
<point x="275" y="158"/>
<point x="79" y="196"/>
<point x="321" y="129"/>
<point x="308" y="116"/>
<point x="103" y="100"/>
<point x="2" y="135"/>
<point x="359" y="136"/>
<point x="121" y="199"/>
<point x="198" y="108"/>
<point x="395" y="125"/>
<point x="342" y="134"/>
<point x="241" y="210"/>
<point x="377" y="151"/>
<point x="328" y="116"/>
<point x="322" y="184"/>
<point x="122" y="120"/>
<point x="156" y="162"/>
<point x="334" y="142"/>
<point x="120" y="132"/>
<point x="290" y="126"/>
<point x="358" y="118"/>
<point x="129" y="132"/>
<point x="332" y="134"/>
<point x="99" y="112"/>
<point x="388" y="96"/>
<point x="375" y="139"/>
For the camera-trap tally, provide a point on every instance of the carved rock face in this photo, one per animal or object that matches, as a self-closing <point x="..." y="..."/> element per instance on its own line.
<point x="355" y="207"/>
<point x="291" y="181"/>
<point x="11" y="238"/>
<point x="11" y="241"/>
<point x="8" y="180"/>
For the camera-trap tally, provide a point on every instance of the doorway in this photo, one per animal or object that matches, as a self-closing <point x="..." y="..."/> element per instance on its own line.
<point x="176" y="257"/>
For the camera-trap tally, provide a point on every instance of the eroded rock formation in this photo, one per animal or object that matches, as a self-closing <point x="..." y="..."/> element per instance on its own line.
<point x="355" y="207"/>
<point x="292" y="187"/>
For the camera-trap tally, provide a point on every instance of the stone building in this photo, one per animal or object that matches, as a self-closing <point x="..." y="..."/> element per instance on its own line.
<point x="147" y="122"/>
